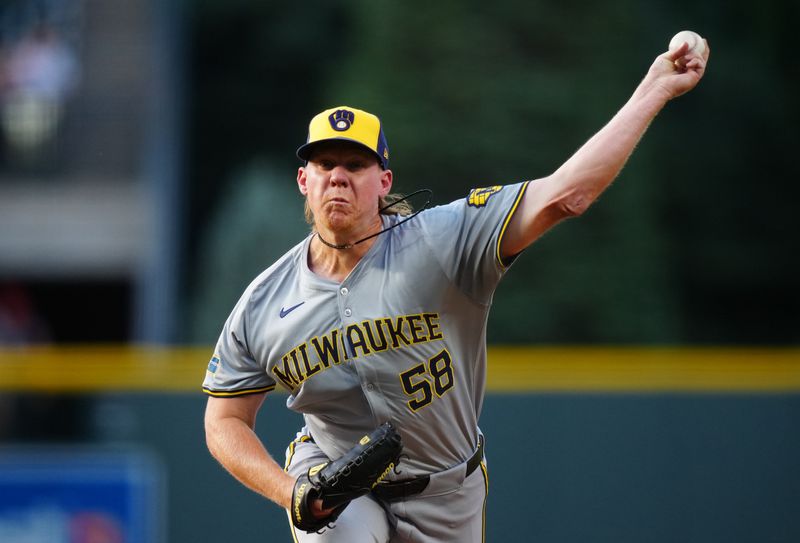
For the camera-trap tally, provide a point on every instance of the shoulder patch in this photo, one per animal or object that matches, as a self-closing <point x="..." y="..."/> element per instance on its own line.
<point x="479" y="197"/>
<point x="213" y="365"/>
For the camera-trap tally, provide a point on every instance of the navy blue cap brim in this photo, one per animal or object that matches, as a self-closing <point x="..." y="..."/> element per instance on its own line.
<point x="304" y="151"/>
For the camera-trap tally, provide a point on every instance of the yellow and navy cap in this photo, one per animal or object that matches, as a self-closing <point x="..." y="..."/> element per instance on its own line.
<point x="345" y="123"/>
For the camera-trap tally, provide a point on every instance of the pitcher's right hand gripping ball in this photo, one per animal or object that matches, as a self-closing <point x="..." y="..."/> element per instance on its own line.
<point x="353" y="475"/>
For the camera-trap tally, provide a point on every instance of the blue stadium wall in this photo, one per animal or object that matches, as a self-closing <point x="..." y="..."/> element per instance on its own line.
<point x="599" y="463"/>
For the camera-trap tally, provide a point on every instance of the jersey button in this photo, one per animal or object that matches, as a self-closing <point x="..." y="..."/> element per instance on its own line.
<point x="344" y="291"/>
<point x="348" y="312"/>
<point x="370" y="386"/>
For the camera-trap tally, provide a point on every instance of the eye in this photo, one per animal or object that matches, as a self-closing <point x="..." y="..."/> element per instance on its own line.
<point x="355" y="165"/>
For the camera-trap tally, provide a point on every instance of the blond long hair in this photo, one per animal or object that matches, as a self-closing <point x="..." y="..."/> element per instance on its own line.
<point x="400" y="208"/>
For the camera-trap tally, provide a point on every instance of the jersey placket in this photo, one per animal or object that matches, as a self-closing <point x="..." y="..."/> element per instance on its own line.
<point x="370" y="382"/>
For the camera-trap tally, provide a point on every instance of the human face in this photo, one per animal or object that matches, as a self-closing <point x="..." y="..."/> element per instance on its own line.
<point x="343" y="185"/>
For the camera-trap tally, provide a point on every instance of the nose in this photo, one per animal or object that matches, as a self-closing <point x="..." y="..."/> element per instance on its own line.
<point x="339" y="176"/>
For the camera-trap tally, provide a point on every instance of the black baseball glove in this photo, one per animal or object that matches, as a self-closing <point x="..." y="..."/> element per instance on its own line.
<point x="338" y="482"/>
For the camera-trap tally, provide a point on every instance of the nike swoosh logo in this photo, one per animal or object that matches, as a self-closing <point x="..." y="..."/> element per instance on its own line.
<point x="285" y="312"/>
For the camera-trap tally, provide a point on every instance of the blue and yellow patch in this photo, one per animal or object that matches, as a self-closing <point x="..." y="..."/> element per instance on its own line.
<point x="213" y="365"/>
<point x="479" y="197"/>
<point x="341" y="120"/>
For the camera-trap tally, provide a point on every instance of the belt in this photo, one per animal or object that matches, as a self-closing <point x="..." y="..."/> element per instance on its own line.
<point x="398" y="490"/>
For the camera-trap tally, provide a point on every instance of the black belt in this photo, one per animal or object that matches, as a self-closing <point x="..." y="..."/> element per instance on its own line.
<point x="398" y="490"/>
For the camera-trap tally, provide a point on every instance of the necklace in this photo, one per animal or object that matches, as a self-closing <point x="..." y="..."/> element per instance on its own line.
<point x="345" y="246"/>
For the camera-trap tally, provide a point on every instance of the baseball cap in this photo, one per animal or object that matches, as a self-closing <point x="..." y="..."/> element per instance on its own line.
<point x="345" y="123"/>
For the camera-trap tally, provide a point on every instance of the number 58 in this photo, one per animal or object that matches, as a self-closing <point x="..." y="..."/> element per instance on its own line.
<point x="428" y="378"/>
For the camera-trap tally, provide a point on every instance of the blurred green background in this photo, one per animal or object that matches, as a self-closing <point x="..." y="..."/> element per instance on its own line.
<point x="147" y="174"/>
<point x="695" y="243"/>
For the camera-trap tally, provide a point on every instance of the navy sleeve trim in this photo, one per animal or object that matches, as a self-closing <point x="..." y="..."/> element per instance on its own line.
<point x="503" y="265"/>
<point x="242" y="392"/>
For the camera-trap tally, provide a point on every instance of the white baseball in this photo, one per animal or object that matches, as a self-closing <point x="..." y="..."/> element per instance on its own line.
<point x="696" y="43"/>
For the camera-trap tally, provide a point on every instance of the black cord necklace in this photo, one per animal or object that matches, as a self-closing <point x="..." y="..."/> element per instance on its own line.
<point x="404" y="198"/>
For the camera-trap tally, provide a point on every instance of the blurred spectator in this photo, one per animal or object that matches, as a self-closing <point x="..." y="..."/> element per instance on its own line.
<point x="19" y="322"/>
<point x="39" y="74"/>
<point x="22" y="416"/>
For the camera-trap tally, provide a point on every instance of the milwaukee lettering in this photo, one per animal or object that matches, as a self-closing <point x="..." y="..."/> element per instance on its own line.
<point x="357" y="340"/>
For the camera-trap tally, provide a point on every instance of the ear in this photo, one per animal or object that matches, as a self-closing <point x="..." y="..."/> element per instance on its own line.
<point x="386" y="182"/>
<point x="301" y="181"/>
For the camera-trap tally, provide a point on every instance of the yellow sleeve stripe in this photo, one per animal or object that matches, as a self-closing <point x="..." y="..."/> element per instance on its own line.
<point x="242" y="392"/>
<point x="505" y="224"/>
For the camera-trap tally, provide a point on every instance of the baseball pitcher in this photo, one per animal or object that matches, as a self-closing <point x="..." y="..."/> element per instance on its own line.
<point x="375" y="325"/>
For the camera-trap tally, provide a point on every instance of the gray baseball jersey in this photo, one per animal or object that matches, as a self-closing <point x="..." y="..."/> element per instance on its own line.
<point x="402" y="338"/>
